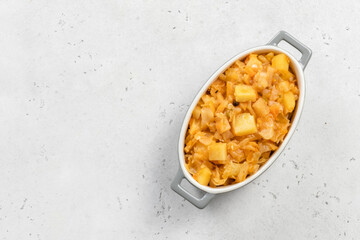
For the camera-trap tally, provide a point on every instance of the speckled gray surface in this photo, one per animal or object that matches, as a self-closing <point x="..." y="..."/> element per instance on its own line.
<point x="92" y="98"/>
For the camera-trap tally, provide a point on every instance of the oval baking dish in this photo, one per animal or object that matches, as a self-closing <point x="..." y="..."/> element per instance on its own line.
<point x="297" y="66"/>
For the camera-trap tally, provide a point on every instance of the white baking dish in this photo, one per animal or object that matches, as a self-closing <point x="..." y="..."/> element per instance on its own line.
<point x="297" y="65"/>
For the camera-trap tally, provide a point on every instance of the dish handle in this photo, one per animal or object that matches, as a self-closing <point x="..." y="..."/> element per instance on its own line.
<point x="304" y="50"/>
<point x="198" y="202"/>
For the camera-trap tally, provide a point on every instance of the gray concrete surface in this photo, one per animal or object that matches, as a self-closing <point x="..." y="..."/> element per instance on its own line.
<point x="92" y="97"/>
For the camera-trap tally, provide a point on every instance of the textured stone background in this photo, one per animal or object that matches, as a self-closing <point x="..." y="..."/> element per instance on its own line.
<point x="92" y="97"/>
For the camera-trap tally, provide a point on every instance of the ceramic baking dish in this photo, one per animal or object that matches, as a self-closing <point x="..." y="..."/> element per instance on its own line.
<point x="298" y="67"/>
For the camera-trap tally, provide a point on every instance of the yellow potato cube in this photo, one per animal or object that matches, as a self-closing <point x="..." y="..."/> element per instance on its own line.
<point x="289" y="102"/>
<point x="244" y="93"/>
<point x="203" y="176"/>
<point x="217" y="152"/>
<point x="286" y="75"/>
<point x="244" y="124"/>
<point x="281" y="62"/>
<point x="261" y="108"/>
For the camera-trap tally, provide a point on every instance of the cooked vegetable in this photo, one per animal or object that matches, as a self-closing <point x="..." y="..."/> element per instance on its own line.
<point x="261" y="108"/>
<point x="253" y="65"/>
<point x="241" y="120"/>
<point x="281" y="62"/>
<point x="222" y="123"/>
<point x="244" y="93"/>
<point x="203" y="176"/>
<point x="244" y="124"/>
<point x="289" y="102"/>
<point x="217" y="152"/>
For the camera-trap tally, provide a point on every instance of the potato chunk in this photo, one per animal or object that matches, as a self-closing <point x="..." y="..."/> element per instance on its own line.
<point x="244" y="124"/>
<point x="244" y="93"/>
<point x="203" y="176"/>
<point x="261" y="108"/>
<point x="280" y="62"/>
<point x="217" y="152"/>
<point x="289" y="102"/>
<point x="286" y="75"/>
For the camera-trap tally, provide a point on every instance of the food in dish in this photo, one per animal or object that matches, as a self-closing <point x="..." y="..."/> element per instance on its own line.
<point x="241" y="119"/>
